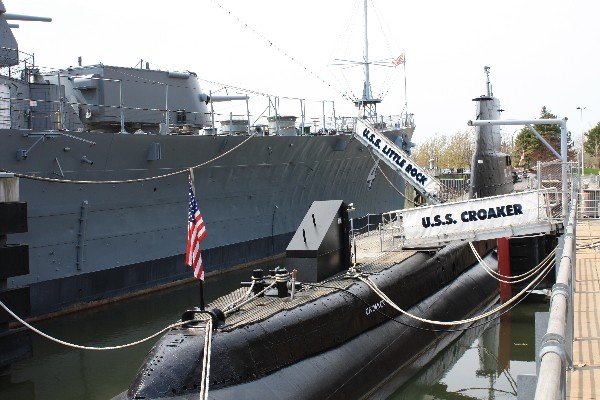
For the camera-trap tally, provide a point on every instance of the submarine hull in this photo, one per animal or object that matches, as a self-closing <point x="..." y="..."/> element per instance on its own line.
<point x="341" y="344"/>
<point x="391" y="352"/>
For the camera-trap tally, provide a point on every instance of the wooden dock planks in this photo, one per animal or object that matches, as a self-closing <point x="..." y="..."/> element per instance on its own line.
<point x="583" y="382"/>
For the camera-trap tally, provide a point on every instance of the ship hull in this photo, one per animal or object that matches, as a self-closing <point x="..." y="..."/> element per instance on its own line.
<point x="96" y="241"/>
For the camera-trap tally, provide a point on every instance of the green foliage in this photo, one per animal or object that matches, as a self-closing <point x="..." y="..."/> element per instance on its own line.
<point x="531" y="150"/>
<point x="447" y="151"/>
<point x="591" y="144"/>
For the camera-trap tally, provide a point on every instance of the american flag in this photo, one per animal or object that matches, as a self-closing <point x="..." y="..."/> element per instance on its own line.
<point x="196" y="233"/>
<point x="399" y="60"/>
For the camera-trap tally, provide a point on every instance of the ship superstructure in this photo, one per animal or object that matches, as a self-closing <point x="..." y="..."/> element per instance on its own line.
<point x="103" y="154"/>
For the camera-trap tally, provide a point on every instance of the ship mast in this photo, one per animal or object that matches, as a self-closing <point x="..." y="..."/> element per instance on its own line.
<point x="367" y="105"/>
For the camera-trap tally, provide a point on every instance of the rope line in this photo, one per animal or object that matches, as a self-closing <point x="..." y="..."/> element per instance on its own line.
<point x="206" y="360"/>
<point x="76" y="346"/>
<point x="383" y="296"/>
<point x="183" y="171"/>
<point x="243" y="303"/>
<point x="516" y="278"/>
<point x="389" y="181"/>
<point x="430" y="329"/>
<point x="280" y="50"/>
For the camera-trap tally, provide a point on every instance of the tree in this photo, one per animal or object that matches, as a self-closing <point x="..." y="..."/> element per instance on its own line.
<point x="532" y="150"/>
<point x="453" y="151"/>
<point x="591" y="145"/>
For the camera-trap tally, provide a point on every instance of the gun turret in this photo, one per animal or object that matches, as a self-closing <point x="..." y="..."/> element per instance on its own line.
<point x="21" y="17"/>
<point x="9" y="49"/>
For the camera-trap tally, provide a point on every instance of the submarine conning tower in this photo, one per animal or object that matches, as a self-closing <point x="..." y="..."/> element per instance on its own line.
<point x="490" y="168"/>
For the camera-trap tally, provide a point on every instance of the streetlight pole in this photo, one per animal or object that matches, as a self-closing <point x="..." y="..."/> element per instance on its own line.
<point x="582" y="135"/>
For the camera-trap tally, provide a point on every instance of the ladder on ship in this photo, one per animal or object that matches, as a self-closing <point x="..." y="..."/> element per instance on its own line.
<point x="392" y="155"/>
<point x="514" y="214"/>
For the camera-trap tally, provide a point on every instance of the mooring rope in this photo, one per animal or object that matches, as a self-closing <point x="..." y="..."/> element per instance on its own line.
<point x="383" y="296"/>
<point x="206" y="360"/>
<point x="76" y="346"/>
<point x="516" y="278"/>
<point x="245" y="296"/>
<point x="388" y="179"/>
<point x="183" y="171"/>
<point x="243" y="303"/>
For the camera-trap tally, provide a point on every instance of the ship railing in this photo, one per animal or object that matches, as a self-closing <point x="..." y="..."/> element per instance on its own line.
<point x="390" y="230"/>
<point x="366" y="225"/>
<point x="63" y="115"/>
<point x="75" y="114"/>
<point x="347" y="124"/>
<point x="555" y="329"/>
<point x="23" y="70"/>
<point x="396" y="121"/>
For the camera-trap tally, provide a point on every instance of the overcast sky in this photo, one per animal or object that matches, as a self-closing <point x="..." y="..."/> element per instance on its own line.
<point x="541" y="52"/>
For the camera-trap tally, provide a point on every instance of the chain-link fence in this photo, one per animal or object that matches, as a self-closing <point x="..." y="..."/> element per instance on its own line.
<point x="589" y="197"/>
<point x="550" y="175"/>
<point x="455" y="189"/>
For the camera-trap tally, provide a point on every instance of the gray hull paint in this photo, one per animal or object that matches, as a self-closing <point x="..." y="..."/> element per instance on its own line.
<point x="91" y="242"/>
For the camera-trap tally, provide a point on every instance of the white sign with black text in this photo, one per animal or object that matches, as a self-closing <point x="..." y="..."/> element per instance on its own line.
<point x="463" y="220"/>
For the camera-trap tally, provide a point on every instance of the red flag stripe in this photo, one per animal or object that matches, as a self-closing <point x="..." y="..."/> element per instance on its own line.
<point x="196" y="233"/>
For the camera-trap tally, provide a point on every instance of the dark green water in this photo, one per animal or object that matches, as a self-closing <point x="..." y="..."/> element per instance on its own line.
<point x="480" y="365"/>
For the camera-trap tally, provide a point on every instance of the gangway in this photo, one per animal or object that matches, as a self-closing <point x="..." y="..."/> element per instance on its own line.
<point x="387" y="151"/>
<point x="514" y="214"/>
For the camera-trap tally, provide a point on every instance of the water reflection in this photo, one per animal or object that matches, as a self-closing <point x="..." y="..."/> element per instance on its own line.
<point x="482" y="364"/>
<point x="59" y="372"/>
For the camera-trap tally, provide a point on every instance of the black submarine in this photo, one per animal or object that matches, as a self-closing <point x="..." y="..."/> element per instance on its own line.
<point x="314" y="330"/>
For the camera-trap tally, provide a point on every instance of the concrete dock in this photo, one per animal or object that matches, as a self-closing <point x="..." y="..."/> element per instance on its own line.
<point x="583" y="381"/>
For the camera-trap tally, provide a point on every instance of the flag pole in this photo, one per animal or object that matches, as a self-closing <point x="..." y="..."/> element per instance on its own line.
<point x="404" y="67"/>
<point x="193" y="185"/>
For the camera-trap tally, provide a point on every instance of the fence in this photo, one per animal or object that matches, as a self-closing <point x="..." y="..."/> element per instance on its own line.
<point x="554" y="329"/>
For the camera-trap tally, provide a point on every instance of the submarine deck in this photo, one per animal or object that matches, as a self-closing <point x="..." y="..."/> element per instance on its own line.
<point x="370" y="259"/>
<point x="584" y="378"/>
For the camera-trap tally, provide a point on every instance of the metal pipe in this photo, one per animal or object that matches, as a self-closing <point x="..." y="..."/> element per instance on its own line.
<point x="552" y="373"/>
<point x="302" y="118"/>
<point x="212" y="115"/>
<point x="334" y="120"/>
<point x="217" y="99"/>
<point x="21" y="17"/>
<point x="121" y="106"/>
<point x="367" y="89"/>
<point x="167" y="107"/>
<point x="563" y="141"/>
<point x="248" y="113"/>
<point x="275" y="107"/>
<point x="544" y="142"/>
<point x="582" y="136"/>
<point x="60" y="104"/>
<point x="324" y="125"/>
<point x="564" y="159"/>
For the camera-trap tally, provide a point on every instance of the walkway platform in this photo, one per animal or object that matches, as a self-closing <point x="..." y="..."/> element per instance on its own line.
<point x="583" y="382"/>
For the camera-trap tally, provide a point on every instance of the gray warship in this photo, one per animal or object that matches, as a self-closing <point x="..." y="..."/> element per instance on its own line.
<point x="103" y="154"/>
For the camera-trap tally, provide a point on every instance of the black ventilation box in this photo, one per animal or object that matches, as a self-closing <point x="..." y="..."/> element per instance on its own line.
<point x="320" y="247"/>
